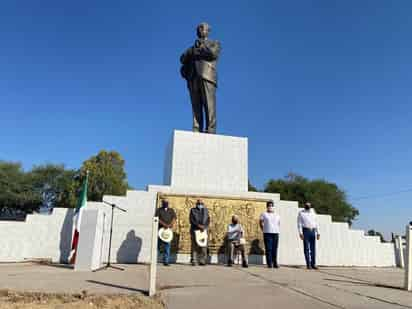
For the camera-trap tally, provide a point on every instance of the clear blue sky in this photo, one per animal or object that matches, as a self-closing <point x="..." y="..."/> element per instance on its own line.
<point x="320" y="88"/>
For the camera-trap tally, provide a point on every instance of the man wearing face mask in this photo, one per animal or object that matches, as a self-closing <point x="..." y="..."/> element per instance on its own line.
<point x="234" y="234"/>
<point x="199" y="220"/>
<point x="309" y="232"/>
<point x="167" y="218"/>
<point x="270" y="225"/>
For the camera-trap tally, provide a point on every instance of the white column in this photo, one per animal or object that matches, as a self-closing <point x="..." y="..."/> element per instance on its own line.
<point x="153" y="258"/>
<point x="408" y="268"/>
<point x="89" y="248"/>
<point x="399" y="244"/>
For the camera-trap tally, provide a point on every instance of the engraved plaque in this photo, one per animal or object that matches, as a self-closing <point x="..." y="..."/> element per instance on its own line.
<point x="221" y="210"/>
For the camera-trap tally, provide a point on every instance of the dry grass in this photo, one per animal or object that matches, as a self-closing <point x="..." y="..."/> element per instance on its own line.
<point x="25" y="300"/>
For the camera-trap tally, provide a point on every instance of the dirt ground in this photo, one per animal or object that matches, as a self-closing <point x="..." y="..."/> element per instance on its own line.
<point x="24" y="300"/>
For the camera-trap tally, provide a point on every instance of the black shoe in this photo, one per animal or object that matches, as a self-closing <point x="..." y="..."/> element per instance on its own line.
<point x="315" y="267"/>
<point x="276" y="266"/>
<point x="229" y="263"/>
<point x="245" y="265"/>
<point x="270" y="266"/>
<point x="308" y="267"/>
<point x="166" y="264"/>
<point x="202" y="264"/>
<point x="193" y="263"/>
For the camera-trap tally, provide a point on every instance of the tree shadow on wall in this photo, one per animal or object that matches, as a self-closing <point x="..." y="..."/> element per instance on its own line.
<point x="130" y="248"/>
<point x="66" y="236"/>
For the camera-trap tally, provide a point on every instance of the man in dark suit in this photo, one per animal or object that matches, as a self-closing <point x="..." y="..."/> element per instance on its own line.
<point x="199" y="69"/>
<point x="199" y="220"/>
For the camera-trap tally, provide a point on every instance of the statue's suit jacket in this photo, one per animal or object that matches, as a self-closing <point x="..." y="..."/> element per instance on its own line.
<point x="201" y="61"/>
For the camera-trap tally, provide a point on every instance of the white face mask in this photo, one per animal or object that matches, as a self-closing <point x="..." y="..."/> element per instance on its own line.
<point x="200" y="206"/>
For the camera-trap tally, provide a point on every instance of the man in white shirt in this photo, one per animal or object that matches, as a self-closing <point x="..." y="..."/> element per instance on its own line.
<point x="309" y="232"/>
<point x="270" y="225"/>
<point x="235" y="233"/>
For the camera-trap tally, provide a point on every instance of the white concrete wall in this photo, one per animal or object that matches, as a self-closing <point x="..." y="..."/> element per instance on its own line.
<point x="50" y="236"/>
<point x="339" y="245"/>
<point x="131" y="239"/>
<point x="167" y="168"/>
<point x="40" y="236"/>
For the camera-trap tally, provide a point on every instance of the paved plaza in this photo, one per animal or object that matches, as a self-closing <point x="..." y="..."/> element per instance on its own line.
<point x="214" y="286"/>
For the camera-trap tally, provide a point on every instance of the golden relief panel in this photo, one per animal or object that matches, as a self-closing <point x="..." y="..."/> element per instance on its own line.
<point x="221" y="210"/>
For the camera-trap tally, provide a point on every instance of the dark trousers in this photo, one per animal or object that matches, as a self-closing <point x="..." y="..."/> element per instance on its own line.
<point x="309" y="247"/>
<point x="203" y="97"/>
<point x="166" y="250"/>
<point x="271" y="248"/>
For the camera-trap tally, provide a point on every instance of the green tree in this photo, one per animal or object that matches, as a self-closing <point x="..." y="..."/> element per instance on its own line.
<point x="251" y="187"/>
<point x="375" y="233"/>
<point x="326" y="197"/>
<point x="56" y="185"/>
<point x="16" y="188"/>
<point x="106" y="175"/>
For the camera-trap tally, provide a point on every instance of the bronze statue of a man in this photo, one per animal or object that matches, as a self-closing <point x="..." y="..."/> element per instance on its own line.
<point x="199" y="69"/>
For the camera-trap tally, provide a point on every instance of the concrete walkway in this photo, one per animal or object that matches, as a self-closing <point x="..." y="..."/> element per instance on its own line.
<point x="215" y="287"/>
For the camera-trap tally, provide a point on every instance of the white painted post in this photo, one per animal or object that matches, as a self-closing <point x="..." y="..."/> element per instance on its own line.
<point x="408" y="268"/>
<point x="153" y="258"/>
<point x="399" y="242"/>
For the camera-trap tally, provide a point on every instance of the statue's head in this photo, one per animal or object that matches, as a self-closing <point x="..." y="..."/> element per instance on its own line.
<point x="203" y="30"/>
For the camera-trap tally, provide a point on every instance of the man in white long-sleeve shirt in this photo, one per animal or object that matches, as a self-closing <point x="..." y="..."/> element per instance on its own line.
<point x="270" y="225"/>
<point x="309" y="232"/>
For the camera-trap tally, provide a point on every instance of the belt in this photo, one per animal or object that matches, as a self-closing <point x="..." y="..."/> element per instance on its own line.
<point x="309" y="229"/>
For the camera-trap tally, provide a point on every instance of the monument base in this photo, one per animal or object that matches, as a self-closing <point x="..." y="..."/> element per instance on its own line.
<point x="223" y="188"/>
<point x="207" y="162"/>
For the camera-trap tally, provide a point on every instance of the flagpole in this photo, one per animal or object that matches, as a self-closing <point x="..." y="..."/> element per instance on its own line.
<point x="81" y="203"/>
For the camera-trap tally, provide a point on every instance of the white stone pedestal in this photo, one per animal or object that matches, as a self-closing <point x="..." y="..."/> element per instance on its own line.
<point x="207" y="162"/>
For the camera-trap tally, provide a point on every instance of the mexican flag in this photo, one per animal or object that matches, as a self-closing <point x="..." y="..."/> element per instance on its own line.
<point x="81" y="204"/>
